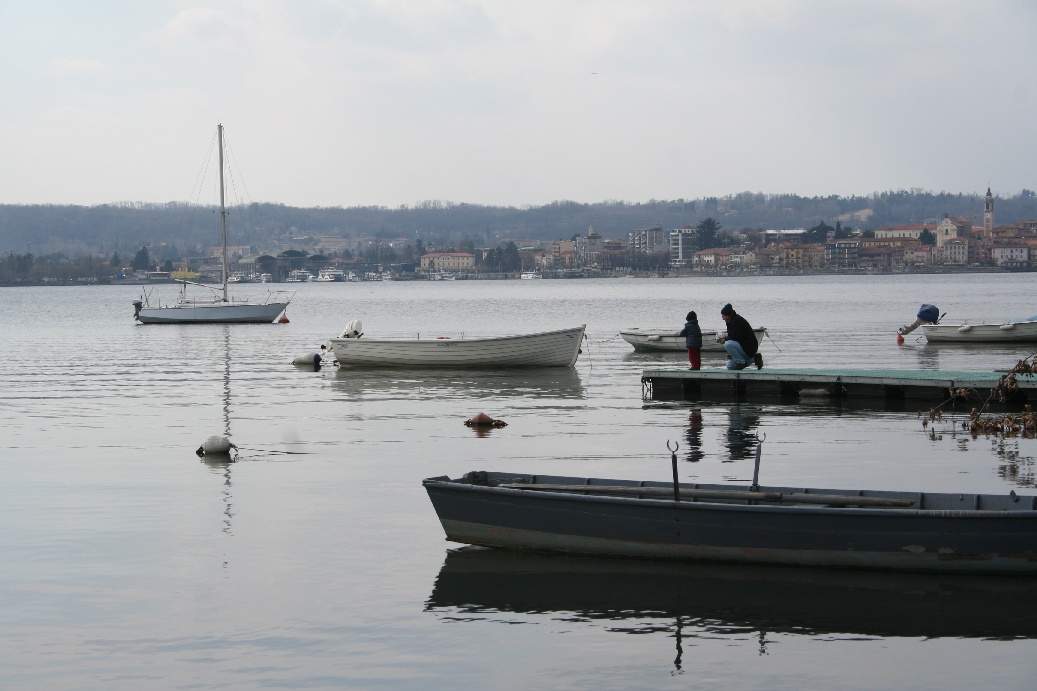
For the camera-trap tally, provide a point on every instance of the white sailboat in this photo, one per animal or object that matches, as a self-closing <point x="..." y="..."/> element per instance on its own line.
<point x="218" y="307"/>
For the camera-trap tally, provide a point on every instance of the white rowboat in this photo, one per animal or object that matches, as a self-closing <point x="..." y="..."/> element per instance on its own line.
<point x="1022" y="331"/>
<point x="547" y="349"/>
<point x="669" y="339"/>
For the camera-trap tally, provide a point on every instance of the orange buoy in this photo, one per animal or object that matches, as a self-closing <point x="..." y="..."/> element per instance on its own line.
<point x="900" y="339"/>
<point x="484" y="420"/>
<point x="284" y="318"/>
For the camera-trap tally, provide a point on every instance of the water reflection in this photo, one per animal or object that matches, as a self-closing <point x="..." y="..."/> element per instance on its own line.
<point x="416" y="383"/>
<point x="927" y="358"/>
<point x="693" y="436"/>
<point x="741" y="432"/>
<point x="220" y="463"/>
<point x="691" y="601"/>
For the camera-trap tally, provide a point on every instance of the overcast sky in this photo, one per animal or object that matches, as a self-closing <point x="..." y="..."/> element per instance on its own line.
<point x="515" y="102"/>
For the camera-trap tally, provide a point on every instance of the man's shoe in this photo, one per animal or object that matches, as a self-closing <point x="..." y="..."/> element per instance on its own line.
<point x="741" y="365"/>
<point x="758" y="359"/>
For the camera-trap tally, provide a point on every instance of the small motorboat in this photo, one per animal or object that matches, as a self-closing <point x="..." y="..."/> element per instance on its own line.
<point x="931" y="322"/>
<point x="1011" y="331"/>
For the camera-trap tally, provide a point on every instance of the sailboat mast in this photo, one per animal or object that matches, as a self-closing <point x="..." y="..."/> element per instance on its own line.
<point x="223" y="213"/>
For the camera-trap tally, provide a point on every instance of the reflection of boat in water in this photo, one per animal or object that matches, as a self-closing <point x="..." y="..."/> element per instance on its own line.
<point x="409" y="383"/>
<point x="722" y="597"/>
<point x="671" y="340"/>
<point x="910" y="531"/>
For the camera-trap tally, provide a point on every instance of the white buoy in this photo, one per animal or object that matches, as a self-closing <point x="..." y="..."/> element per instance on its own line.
<point x="311" y="359"/>
<point x="216" y="445"/>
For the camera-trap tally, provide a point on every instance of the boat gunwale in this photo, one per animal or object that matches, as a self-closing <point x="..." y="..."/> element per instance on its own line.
<point x="741" y="505"/>
<point x="463" y="339"/>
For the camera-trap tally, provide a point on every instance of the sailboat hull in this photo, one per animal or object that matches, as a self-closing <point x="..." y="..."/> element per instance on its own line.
<point x="212" y="314"/>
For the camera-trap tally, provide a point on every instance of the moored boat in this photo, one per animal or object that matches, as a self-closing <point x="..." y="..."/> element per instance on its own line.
<point x="670" y="339"/>
<point x="330" y="275"/>
<point x="219" y="307"/>
<point x="912" y="531"/>
<point x="1012" y="331"/>
<point x="546" y="349"/>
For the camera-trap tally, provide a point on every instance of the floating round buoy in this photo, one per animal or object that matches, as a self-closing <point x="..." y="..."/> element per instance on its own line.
<point x="284" y="318"/>
<point x="216" y="445"/>
<point x="311" y="359"/>
<point x="484" y="420"/>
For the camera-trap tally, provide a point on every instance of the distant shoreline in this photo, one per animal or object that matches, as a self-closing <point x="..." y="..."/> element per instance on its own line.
<point x="575" y="275"/>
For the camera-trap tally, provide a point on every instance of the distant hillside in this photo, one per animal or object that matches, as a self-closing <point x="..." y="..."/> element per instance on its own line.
<point x="185" y="229"/>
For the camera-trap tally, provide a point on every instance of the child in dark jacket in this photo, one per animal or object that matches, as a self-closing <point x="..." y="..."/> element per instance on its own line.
<point x="693" y="340"/>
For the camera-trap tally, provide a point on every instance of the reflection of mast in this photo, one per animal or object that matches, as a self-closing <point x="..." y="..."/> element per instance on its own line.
<point x="221" y="464"/>
<point x="680" y="650"/>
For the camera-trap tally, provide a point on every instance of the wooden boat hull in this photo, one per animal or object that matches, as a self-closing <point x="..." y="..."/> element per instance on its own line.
<point x="948" y="532"/>
<point x="1009" y="332"/>
<point x="669" y="340"/>
<point x="548" y="349"/>
<point x="212" y="314"/>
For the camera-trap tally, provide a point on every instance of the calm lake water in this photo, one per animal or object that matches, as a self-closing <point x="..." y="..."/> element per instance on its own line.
<point x="316" y="560"/>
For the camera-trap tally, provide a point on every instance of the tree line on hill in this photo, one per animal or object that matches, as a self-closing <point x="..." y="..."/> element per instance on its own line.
<point x="177" y="229"/>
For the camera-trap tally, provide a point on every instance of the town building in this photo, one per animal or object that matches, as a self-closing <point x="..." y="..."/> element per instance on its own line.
<point x="910" y="231"/>
<point x="448" y="261"/>
<point x="648" y="241"/>
<point x="684" y="243"/>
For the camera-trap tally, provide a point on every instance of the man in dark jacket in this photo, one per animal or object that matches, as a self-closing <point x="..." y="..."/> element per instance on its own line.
<point x="740" y="343"/>
<point x="693" y="340"/>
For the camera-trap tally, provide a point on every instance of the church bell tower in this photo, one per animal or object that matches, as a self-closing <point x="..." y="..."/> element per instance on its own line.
<point x="988" y="213"/>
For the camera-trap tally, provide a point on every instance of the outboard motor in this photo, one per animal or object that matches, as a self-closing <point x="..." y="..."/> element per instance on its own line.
<point x="354" y="329"/>
<point x="137" y="305"/>
<point x="927" y="314"/>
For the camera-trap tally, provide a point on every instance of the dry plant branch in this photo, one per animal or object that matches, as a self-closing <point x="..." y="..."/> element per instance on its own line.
<point x="980" y="420"/>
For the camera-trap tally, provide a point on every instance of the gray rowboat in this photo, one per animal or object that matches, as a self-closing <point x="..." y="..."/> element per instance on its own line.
<point x="912" y="531"/>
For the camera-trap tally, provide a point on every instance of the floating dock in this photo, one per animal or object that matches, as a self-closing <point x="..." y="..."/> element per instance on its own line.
<point x="835" y="385"/>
